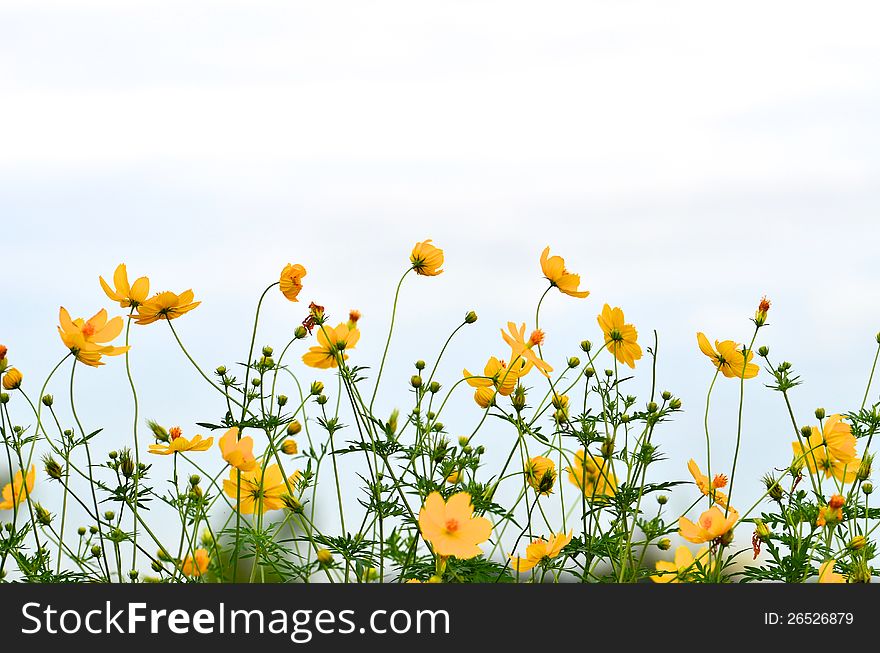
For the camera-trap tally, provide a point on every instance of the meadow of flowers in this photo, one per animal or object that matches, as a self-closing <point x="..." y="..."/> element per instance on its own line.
<point x="425" y="507"/>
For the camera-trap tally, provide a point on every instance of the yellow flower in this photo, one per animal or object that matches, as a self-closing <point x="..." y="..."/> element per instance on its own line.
<point x="450" y="526"/>
<point x="540" y="474"/>
<point x="728" y="358"/>
<point x="87" y="339"/>
<point x="165" y="305"/>
<point x="196" y="566"/>
<point x="681" y="569"/>
<point x="833" y="451"/>
<point x="426" y="259"/>
<point x="454" y="477"/>
<point x="238" y="453"/>
<point x="291" y="281"/>
<point x="593" y="476"/>
<point x="504" y="379"/>
<point x="706" y="487"/>
<point x="258" y="490"/>
<point x="827" y="573"/>
<point x="520" y="348"/>
<point x="330" y="343"/>
<point x="20" y="488"/>
<point x="12" y="379"/>
<point x="127" y="295"/>
<point x="554" y="271"/>
<point x="484" y="397"/>
<point x="620" y="338"/>
<point x="711" y="525"/>
<point x="539" y="550"/>
<point x="180" y="444"/>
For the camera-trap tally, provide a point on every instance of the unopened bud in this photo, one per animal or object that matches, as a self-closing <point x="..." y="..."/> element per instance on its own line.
<point x="420" y="365"/>
<point x="415" y="381"/>
<point x="470" y="317"/>
<point x="281" y="400"/>
<point x="664" y="544"/>
<point x="317" y="388"/>
<point x="289" y="447"/>
<point x="294" y="427"/>
<point x="857" y="543"/>
<point x="820" y="413"/>
<point x="300" y="332"/>
<point x="48" y="400"/>
<point x="324" y="557"/>
<point x="574" y="362"/>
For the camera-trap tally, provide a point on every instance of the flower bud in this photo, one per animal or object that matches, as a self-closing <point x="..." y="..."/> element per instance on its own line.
<point x="420" y="365"/>
<point x="666" y="395"/>
<point x="294" y="427"/>
<point x="324" y="557"/>
<point x="664" y="544"/>
<point x="4" y="398"/>
<point x="435" y="579"/>
<point x="12" y="379"/>
<point x="727" y="538"/>
<point x="109" y="515"/>
<point x="806" y="431"/>
<point x="586" y="346"/>
<point x="113" y="455"/>
<point x="53" y="469"/>
<point x="96" y="551"/>
<point x="156" y="566"/>
<point x="652" y="407"/>
<point x="48" y="400"/>
<point x="281" y="400"/>
<point x="291" y="503"/>
<point x="221" y="370"/>
<point x="857" y="543"/>
<point x="662" y="499"/>
<point x="574" y="362"/>
<point x="133" y="575"/>
<point x="42" y="515"/>
<point x="317" y="388"/>
<point x="608" y="447"/>
<point x="589" y="372"/>
<point x="865" y="467"/>
<point x="415" y="381"/>
<point x="93" y="530"/>
<point x="289" y="447"/>
<point x="321" y="399"/>
<point x="820" y="413"/>
<point x="867" y="488"/>
<point x="300" y="332"/>
<point x="470" y="317"/>
<point x="267" y="351"/>
<point x="762" y="530"/>
<point x="158" y="430"/>
<point x="81" y="531"/>
<point x="256" y="382"/>
<point x="434" y="388"/>
<point x="763" y="351"/>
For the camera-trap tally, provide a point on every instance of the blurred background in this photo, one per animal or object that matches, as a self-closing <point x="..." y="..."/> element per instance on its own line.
<point x="684" y="158"/>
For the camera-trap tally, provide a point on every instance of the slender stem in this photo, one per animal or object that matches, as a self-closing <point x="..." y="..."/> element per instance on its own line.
<point x="388" y="341"/>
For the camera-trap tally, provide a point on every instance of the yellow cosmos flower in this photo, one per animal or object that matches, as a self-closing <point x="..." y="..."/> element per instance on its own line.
<point x="196" y="565"/>
<point x="484" y="397"/>
<point x="707" y="487"/>
<point x="330" y="343"/>
<point x="524" y="349"/>
<point x="450" y="526"/>
<point x="165" y="306"/>
<point x="504" y="379"/>
<point x="291" y="281"/>
<point x="711" y="525"/>
<point x="728" y="358"/>
<point x="12" y="379"/>
<point x="540" y="474"/>
<point x="180" y="444"/>
<point x="20" y="488"/>
<point x="454" y="477"/>
<point x="593" y="476"/>
<point x="127" y="295"/>
<point x="540" y="550"/>
<point x="426" y="259"/>
<point x="620" y="338"/>
<point x="238" y="453"/>
<point x="87" y="339"/>
<point x="682" y="568"/>
<point x="258" y="490"/>
<point x="554" y="271"/>
<point x="827" y="573"/>
<point x="832" y="452"/>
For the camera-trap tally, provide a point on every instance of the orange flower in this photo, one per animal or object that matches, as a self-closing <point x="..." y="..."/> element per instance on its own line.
<point x="827" y="573"/>
<point x="540" y="474"/>
<point x="620" y="338"/>
<point x="238" y="453"/>
<point x="832" y="452"/>
<point x="20" y="488"/>
<point x="265" y="491"/>
<point x="728" y="358"/>
<point x="426" y="259"/>
<point x="165" y="305"/>
<point x="711" y="525"/>
<point x="330" y="343"/>
<point x="520" y="348"/>
<point x="681" y="568"/>
<point x="290" y="282"/>
<point x="450" y="526"/>
<point x="87" y="339"/>
<point x="196" y="566"/>
<point x="504" y="379"/>
<point x="554" y="271"/>
<point x="540" y="550"/>
<point x="593" y="476"/>
<point x="706" y="487"/>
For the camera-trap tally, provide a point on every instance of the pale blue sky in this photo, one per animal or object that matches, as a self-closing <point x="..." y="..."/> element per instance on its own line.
<point x="684" y="159"/>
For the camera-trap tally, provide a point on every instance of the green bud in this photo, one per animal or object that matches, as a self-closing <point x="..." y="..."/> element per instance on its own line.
<point x="81" y="531"/>
<point x="675" y="404"/>
<point x="806" y="431"/>
<point x="159" y="431"/>
<point x="53" y="469"/>
<point x="133" y="575"/>
<point x="589" y="372"/>
<point x="256" y="382"/>
<point x="317" y="388"/>
<point x="470" y="317"/>
<point x="322" y="399"/>
<point x="281" y="400"/>
<point x="662" y="499"/>
<point x="586" y="345"/>
<point x="652" y="407"/>
<point x="420" y="365"/>
<point x="434" y="388"/>
<point x="664" y="544"/>
<point x="220" y="371"/>
<point x="415" y="381"/>
<point x="48" y="400"/>
<point x="763" y="351"/>
<point x="4" y="398"/>
<point x="867" y="488"/>
<point x="156" y="565"/>
<point x="463" y="441"/>
<point x="42" y="515"/>
<point x="109" y="515"/>
<point x="267" y="351"/>
<point x="113" y="455"/>
<point x="666" y="395"/>
<point x="574" y="362"/>
<point x="727" y="538"/>
<point x="820" y="413"/>
<point x="96" y="551"/>
<point x="608" y="447"/>
<point x="857" y="543"/>
<point x="300" y="332"/>
<point x="195" y="479"/>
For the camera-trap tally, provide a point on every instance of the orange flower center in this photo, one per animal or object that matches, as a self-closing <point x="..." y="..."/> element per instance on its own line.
<point x="88" y="330"/>
<point x="537" y="338"/>
<point x="719" y="481"/>
<point x="451" y="525"/>
<point x="836" y="502"/>
<point x="706" y="522"/>
<point x="175" y="432"/>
